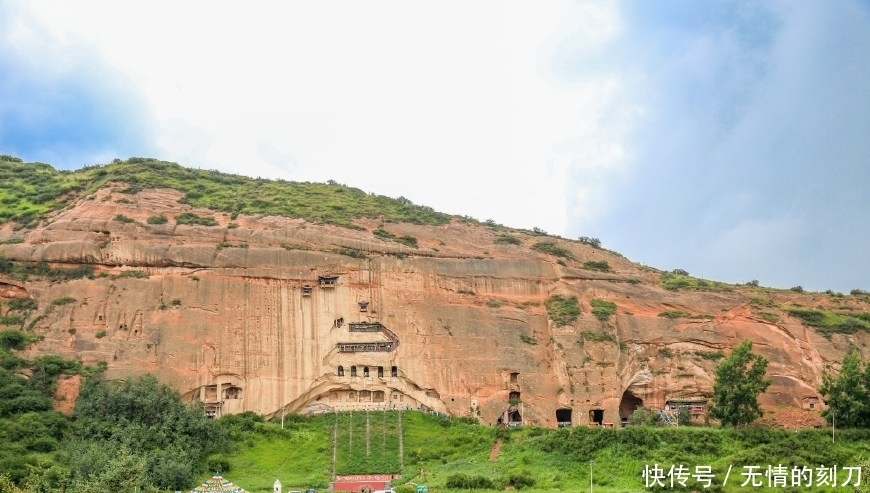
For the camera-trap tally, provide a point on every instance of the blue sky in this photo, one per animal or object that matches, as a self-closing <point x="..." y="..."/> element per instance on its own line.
<point x="729" y="139"/>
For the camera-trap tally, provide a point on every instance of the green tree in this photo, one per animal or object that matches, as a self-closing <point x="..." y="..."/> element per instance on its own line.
<point x="848" y="394"/>
<point x="739" y="381"/>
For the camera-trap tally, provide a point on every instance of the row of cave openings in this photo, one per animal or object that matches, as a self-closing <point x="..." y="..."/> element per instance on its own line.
<point x="394" y="371"/>
<point x="564" y="416"/>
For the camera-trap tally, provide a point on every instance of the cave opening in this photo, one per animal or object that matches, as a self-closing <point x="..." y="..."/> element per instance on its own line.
<point x="563" y="417"/>
<point x="628" y="405"/>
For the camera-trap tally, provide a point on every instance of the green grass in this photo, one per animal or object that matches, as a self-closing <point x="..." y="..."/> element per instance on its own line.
<point x="562" y="310"/>
<point x="555" y="460"/>
<point x="829" y="322"/>
<point x="679" y="279"/>
<point x="551" y="248"/>
<point x="385" y="235"/>
<point x="603" y="309"/>
<point x="507" y="239"/>
<point x="31" y="190"/>
<point x="599" y="265"/>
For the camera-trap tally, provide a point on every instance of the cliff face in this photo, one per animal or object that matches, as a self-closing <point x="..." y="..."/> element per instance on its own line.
<point x="269" y="314"/>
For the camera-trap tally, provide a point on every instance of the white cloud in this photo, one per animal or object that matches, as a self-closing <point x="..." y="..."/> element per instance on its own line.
<point x="449" y="104"/>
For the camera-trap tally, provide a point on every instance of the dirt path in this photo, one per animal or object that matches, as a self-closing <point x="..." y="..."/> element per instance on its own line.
<point x="496" y="449"/>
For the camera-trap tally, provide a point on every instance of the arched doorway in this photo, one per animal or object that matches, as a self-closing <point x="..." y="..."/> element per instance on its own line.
<point x="628" y="404"/>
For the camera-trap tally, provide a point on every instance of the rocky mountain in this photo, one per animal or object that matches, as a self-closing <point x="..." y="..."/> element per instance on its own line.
<point x="246" y="309"/>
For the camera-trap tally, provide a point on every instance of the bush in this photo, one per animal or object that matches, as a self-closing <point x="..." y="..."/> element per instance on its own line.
<point x="507" y="239"/>
<point x="101" y="334"/>
<point x="11" y="320"/>
<point x="603" y="309"/>
<point x="643" y="416"/>
<point x="123" y="219"/>
<point x="593" y="242"/>
<point x="159" y="219"/>
<point x="673" y="314"/>
<point x="191" y="218"/>
<point x="519" y="480"/>
<point x="64" y="300"/>
<point x="551" y="248"/>
<point x="595" y="336"/>
<point x="466" y="482"/>
<point x="562" y="310"/>
<point x="599" y="265"/>
<point x="797" y="289"/>
<point x="15" y="339"/>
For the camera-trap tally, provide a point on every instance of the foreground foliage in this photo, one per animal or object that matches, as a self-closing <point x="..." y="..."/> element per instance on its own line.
<point x="739" y="382"/>
<point x="848" y="393"/>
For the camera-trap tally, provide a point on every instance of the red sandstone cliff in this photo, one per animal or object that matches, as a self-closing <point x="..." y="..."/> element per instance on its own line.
<point x="266" y="315"/>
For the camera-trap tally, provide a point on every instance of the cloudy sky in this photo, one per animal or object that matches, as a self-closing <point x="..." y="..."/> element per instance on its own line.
<point x="729" y="139"/>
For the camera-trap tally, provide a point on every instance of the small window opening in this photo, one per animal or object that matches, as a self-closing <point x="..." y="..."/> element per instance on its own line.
<point x="340" y="371"/>
<point x="306" y="290"/>
<point x="363" y="306"/>
<point x="366" y="371"/>
<point x="394" y="371"/>
<point x="353" y="371"/>
<point x="514" y="377"/>
<point x="380" y="372"/>
<point x="338" y="322"/>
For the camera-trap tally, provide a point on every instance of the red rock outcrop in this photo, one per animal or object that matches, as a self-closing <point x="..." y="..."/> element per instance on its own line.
<point x="271" y="314"/>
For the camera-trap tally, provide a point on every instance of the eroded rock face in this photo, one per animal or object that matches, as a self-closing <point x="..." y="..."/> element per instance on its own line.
<point x="273" y="314"/>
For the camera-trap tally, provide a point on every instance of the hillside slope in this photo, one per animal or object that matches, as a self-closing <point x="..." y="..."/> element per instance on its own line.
<point x="268" y="296"/>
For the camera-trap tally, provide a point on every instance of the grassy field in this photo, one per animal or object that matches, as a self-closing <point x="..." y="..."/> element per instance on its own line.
<point x="440" y="452"/>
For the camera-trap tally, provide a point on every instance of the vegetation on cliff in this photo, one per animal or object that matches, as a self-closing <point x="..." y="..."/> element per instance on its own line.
<point x="32" y="190"/>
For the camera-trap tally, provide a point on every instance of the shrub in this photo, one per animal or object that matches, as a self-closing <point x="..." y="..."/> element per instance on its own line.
<point x="123" y="219"/>
<point x="599" y="265"/>
<point x="350" y="252"/>
<point x="191" y="218"/>
<point x="466" y="482"/>
<point x="761" y="302"/>
<point x="562" y="310"/>
<point x="551" y="248"/>
<point x="595" y="336"/>
<point x="507" y="239"/>
<point x="603" y="309"/>
<point x="101" y="334"/>
<point x="519" y="480"/>
<point x="11" y="320"/>
<point x="593" y="242"/>
<point x="14" y="339"/>
<point x="673" y="314"/>
<point x="23" y="304"/>
<point x="64" y="300"/>
<point x="159" y="219"/>
<point x="643" y="416"/>
<point x="528" y="339"/>
<point x="666" y="352"/>
<point x="176" y="302"/>
<point x="797" y="289"/>
<point x="710" y="355"/>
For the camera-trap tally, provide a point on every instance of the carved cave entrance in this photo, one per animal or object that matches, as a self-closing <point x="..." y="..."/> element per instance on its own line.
<point x="563" y="417"/>
<point x="628" y="404"/>
<point x="596" y="416"/>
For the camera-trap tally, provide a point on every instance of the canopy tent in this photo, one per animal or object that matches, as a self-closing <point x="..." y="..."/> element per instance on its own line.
<point x="218" y="483"/>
